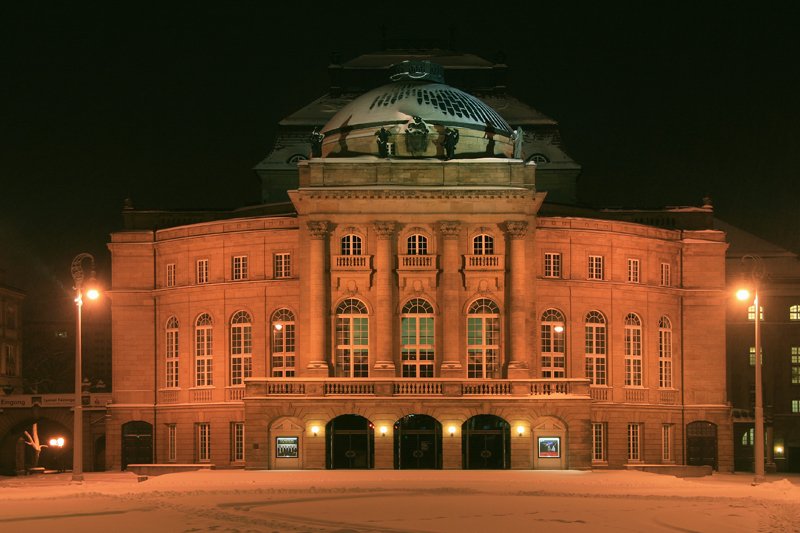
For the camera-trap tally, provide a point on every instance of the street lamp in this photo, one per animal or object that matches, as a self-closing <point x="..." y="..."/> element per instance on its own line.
<point x="756" y="275"/>
<point x="91" y="292"/>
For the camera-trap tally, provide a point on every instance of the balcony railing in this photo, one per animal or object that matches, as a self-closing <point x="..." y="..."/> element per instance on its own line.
<point x="599" y="394"/>
<point x="168" y="396"/>
<point x="636" y="395"/>
<point x="398" y="387"/>
<point x="668" y="397"/>
<point x="351" y="262"/>
<point x="234" y="394"/>
<point x="484" y="262"/>
<point x="201" y="395"/>
<point x="416" y="262"/>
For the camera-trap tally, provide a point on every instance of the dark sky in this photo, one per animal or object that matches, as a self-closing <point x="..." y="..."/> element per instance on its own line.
<point x="173" y="103"/>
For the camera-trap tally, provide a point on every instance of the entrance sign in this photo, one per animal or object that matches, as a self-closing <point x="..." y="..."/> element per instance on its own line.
<point x="549" y="447"/>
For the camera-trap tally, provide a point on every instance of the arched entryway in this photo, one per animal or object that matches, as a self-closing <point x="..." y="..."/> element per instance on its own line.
<point x="350" y="442"/>
<point x="701" y="444"/>
<point x="417" y="442"/>
<point x="486" y="443"/>
<point x="137" y="443"/>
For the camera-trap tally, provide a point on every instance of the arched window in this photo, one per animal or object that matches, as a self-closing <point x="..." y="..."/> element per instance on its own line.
<point x="794" y="312"/>
<point x="283" y="344"/>
<point x="351" y="244"/>
<point x="416" y="339"/>
<point x="633" y="350"/>
<point x="352" y="339"/>
<point x="203" y="355"/>
<point x="241" y="347"/>
<point x="172" y="353"/>
<point x="417" y="244"/>
<point x="596" y="348"/>
<point x="665" y="353"/>
<point x="751" y="312"/>
<point x="483" y="244"/>
<point x="553" y="338"/>
<point x="483" y="339"/>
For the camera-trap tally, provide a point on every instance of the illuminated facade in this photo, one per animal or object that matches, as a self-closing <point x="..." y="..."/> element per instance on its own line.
<point x="10" y="338"/>
<point x="416" y="306"/>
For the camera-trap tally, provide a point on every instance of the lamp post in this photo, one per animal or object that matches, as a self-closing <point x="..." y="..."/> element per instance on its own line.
<point x="92" y="293"/>
<point x="756" y="275"/>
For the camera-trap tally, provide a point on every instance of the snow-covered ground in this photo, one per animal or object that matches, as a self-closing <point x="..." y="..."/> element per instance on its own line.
<point x="398" y="501"/>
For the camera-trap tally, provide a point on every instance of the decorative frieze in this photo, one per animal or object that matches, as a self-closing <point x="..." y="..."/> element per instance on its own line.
<point x="385" y="229"/>
<point x="318" y="229"/>
<point x="450" y="229"/>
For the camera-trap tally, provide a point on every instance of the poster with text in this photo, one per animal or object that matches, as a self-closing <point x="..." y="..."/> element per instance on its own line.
<point x="549" y="447"/>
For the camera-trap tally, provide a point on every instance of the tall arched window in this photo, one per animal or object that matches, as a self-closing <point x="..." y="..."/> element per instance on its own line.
<point x="596" y="348"/>
<point x="203" y="355"/>
<point x="283" y="344"/>
<point x="664" y="353"/>
<point x="352" y="339"/>
<point x="483" y="244"/>
<point x="172" y="353"/>
<point x="633" y="350"/>
<point x="483" y="339"/>
<point x="416" y="338"/>
<point x="794" y="312"/>
<point x="553" y="338"/>
<point x="417" y="244"/>
<point x="351" y="244"/>
<point x="241" y="347"/>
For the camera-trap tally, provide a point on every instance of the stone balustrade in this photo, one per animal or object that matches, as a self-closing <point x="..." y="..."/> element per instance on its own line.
<point x="484" y="262"/>
<point x="416" y="262"/>
<point x="351" y="262"/>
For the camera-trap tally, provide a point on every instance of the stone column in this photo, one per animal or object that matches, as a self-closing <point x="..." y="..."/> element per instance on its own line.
<point x="383" y="365"/>
<point x="517" y="302"/>
<point x="450" y="305"/>
<point x="317" y="305"/>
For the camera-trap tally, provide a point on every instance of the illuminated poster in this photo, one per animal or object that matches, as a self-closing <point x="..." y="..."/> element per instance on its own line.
<point x="549" y="447"/>
<point x="286" y="447"/>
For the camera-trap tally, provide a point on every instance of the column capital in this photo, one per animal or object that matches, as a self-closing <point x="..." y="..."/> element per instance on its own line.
<point x="517" y="229"/>
<point x="318" y="228"/>
<point x="384" y="228"/>
<point x="450" y="229"/>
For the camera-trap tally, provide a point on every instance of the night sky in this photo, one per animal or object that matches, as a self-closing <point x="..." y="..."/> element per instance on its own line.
<point x="172" y="104"/>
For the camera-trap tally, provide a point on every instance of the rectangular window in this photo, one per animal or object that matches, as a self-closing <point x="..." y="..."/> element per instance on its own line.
<point x="202" y="271"/>
<point x="596" y="353"/>
<point x="599" y="442"/>
<point x="9" y="363"/>
<point x="171" y="275"/>
<point x="172" y="358"/>
<point x="795" y="365"/>
<point x="633" y="356"/>
<point x="796" y="406"/>
<point x="634" y="442"/>
<point x="283" y="265"/>
<point x="203" y="442"/>
<point x="753" y="356"/>
<point x="665" y="275"/>
<point x="552" y="265"/>
<point x="666" y="443"/>
<point x="633" y="271"/>
<point x="596" y="267"/>
<point x="239" y="271"/>
<point x="172" y="444"/>
<point x="665" y="358"/>
<point x="237" y="441"/>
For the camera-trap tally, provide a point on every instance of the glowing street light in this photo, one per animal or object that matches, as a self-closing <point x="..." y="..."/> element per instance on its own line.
<point x="56" y="442"/>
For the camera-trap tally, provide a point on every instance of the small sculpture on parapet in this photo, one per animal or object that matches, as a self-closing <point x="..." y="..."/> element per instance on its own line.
<point x="383" y="142"/>
<point x="518" y="138"/>
<point x="316" y="143"/>
<point x="451" y="136"/>
<point x="417" y="136"/>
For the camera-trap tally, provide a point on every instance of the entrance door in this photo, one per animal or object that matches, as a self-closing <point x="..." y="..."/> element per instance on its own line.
<point x="349" y="442"/>
<point x="137" y="443"/>
<point x="485" y="443"/>
<point x="418" y="442"/>
<point x="701" y="444"/>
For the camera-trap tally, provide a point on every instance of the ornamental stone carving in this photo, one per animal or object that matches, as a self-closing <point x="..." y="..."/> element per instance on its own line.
<point x="450" y="229"/>
<point x="384" y="229"/>
<point x="517" y="229"/>
<point x="318" y="229"/>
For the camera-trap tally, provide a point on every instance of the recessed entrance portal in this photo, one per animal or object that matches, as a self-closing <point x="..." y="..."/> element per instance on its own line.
<point x="417" y="442"/>
<point x="350" y="442"/>
<point x="137" y="443"/>
<point x="701" y="444"/>
<point x="486" y="443"/>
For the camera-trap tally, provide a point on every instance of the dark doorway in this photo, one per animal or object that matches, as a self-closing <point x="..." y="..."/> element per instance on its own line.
<point x="137" y="443"/>
<point x="793" y="458"/>
<point x="486" y="443"/>
<point x="100" y="454"/>
<point x="701" y="444"/>
<point x="417" y="442"/>
<point x="349" y="442"/>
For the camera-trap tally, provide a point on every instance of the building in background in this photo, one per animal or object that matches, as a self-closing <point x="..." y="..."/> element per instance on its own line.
<point x="10" y="337"/>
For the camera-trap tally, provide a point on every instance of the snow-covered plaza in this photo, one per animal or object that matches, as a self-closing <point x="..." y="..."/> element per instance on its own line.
<point x="398" y="501"/>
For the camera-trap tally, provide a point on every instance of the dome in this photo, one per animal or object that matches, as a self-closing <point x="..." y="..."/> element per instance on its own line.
<point x="417" y="116"/>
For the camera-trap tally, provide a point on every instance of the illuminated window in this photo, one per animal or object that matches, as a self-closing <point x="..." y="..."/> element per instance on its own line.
<point x="202" y="271"/>
<point x="666" y="443"/>
<point x="794" y="312"/>
<point x="666" y="280"/>
<point x="283" y="344"/>
<point x="417" y="339"/>
<point x="599" y="442"/>
<point x="239" y="271"/>
<point x="751" y="312"/>
<point x="633" y="271"/>
<point x="795" y="361"/>
<point x="553" y="337"/>
<point x="483" y="244"/>
<point x="595" y="348"/>
<point x="237" y="441"/>
<point x="753" y="356"/>
<point x="203" y="358"/>
<point x="241" y="347"/>
<point x="203" y="444"/>
<point x="171" y="275"/>
<point x="596" y="267"/>
<point x="664" y="353"/>
<point x="282" y="265"/>
<point x="748" y="437"/>
<point x="352" y="339"/>
<point x="172" y="353"/>
<point x="552" y="265"/>
<point x="633" y="351"/>
<point x="172" y="443"/>
<point x="483" y="339"/>
<point x="634" y="442"/>
<point x="351" y="245"/>
<point x="796" y="406"/>
<point x="417" y="244"/>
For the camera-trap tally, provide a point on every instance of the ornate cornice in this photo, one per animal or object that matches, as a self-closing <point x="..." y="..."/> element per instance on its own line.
<point x="517" y="229"/>
<point x="450" y="229"/>
<point x="318" y="229"/>
<point x="417" y="194"/>
<point x="384" y="228"/>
